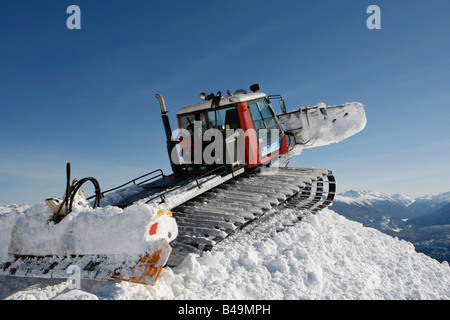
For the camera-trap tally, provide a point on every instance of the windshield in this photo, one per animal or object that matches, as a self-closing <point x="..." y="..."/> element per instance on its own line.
<point x="224" y="119"/>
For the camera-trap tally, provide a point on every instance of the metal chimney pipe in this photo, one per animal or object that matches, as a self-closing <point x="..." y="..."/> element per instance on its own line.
<point x="165" y="117"/>
<point x="176" y="168"/>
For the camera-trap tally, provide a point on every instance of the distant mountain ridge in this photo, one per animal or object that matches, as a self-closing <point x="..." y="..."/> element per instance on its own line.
<point x="371" y="196"/>
<point x="427" y="204"/>
<point x="374" y="209"/>
<point x="408" y="207"/>
<point x="440" y="216"/>
<point x="424" y="221"/>
<point x="18" y="207"/>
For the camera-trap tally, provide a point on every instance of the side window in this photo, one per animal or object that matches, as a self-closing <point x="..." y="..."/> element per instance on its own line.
<point x="262" y="116"/>
<point x="187" y="121"/>
<point x="202" y="118"/>
<point x="267" y="115"/>
<point x="211" y="119"/>
<point x="258" y="122"/>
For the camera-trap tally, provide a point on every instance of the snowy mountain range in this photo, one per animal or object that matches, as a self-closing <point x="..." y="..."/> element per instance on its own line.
<point x="424" y="221"/>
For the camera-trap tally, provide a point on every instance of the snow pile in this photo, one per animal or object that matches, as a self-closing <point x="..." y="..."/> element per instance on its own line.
<point x="8" y="216"/>
<point x="325" y="256"/>
<point x="105" y="230"/>
<point x="7" y="221"/>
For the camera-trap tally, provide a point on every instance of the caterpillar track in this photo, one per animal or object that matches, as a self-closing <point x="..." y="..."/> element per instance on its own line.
<point x="216" y="214"/>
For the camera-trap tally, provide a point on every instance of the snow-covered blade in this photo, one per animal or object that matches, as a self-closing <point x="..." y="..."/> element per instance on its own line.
<point x="101" y="244"/>
<point x="143" y="269"/>
<point x="317" y="126"/>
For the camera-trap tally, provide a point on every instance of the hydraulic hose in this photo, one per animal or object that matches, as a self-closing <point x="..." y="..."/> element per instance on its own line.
<point x="71" y="191"/>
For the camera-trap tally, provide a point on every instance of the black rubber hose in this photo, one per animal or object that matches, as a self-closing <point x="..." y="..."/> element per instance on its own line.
<point x="71" y="191"/>
<point x="77" y="187"/>
<point x="66" y="195"/>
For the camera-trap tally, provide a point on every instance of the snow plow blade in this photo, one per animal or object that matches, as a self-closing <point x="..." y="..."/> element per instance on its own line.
<point x="143" y="269"/>
<point x="148" y="268"/>
<point x="131" y="245"/>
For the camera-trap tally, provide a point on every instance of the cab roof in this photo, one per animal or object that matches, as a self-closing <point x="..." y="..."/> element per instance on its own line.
<point x="224" y="101"/>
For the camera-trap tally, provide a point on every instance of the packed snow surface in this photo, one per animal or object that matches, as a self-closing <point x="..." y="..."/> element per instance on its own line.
<point x="325" y="256"/>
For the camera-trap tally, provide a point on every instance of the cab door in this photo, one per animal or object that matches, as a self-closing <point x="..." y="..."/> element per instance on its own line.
<point x="268" y="132"/>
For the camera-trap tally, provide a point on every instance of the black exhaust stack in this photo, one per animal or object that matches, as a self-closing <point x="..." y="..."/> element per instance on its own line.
<point x="176" y="168"/>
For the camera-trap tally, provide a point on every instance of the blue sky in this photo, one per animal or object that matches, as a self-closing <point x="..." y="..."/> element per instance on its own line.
<point x="87" y="96"/>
